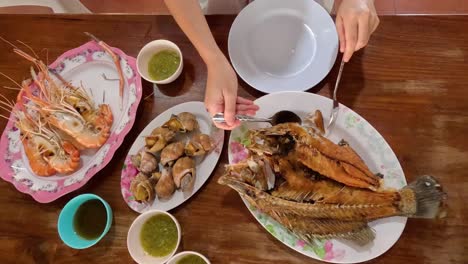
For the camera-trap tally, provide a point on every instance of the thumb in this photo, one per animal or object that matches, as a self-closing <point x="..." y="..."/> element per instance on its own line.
<point x="230" y="109"/>
<point x="213" y="108"/>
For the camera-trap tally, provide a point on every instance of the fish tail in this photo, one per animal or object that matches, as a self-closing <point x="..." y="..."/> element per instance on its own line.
<point x="423" y="198"/>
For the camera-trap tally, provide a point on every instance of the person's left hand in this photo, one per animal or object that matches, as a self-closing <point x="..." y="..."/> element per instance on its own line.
<point x="356" y="20"/>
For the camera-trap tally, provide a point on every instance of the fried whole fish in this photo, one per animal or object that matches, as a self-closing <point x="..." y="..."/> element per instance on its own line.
<point x="415" y="200"/>
<point x="318" y="189"/>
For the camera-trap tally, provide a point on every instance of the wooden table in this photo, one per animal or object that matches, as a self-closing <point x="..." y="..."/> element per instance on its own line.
<point x="410" y="83"/>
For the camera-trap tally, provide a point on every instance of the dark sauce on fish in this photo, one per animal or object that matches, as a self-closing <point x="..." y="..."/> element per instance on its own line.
<point x="286" y="144"/>
<point x="90" y="219"/>
<point x="286" y="117"/>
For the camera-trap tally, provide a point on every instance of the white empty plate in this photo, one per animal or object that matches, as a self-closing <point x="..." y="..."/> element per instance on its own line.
<point x="278" y="45"/>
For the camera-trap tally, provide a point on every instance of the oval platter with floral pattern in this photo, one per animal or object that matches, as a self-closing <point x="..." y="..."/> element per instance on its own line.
<point x="90" y="66"/>
<point x="365" y="140"/>
<point x="204" y="167"/>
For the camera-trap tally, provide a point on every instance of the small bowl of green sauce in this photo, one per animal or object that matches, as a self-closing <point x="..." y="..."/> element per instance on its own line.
<point x="188" y="257"/>
<point x="153" y="237"/>
<point x="160" y="61"/>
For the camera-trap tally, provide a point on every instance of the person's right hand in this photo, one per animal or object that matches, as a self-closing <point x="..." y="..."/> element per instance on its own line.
<point x="221" y="94"/>
<point x="356" y="20"/>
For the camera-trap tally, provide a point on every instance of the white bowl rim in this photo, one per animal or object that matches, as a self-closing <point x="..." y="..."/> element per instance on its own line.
<point x="183" y="253"/>
<point x="144" y="215"/>
<point x="160" y="42"/>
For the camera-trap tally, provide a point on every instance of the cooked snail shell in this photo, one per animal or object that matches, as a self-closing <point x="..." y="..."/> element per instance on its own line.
<point x="154" y="144"/>
<point x="142" y="189"/>
<point x="136" y="160"/>
<point x="155" y="176"/>
<point x="199" y="145"/>
<point x="183" y="122"/>
<point x="188" y="120"/>
<point x="148" y="163"/>
<point x="184" y="173"/>
<point x="158" y="139"/>
<point x="166" y="133"/>
<point x="171" y="153"/>
<point x="165" y="186"/>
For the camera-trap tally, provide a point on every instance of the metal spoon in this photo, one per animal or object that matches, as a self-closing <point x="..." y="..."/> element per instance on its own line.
<point x="278" y="118"/>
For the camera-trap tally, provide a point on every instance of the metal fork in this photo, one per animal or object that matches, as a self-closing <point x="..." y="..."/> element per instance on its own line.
<point x="336" y="105"/>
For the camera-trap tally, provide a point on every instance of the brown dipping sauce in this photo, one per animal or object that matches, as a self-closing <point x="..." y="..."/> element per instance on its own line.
<point x="90" y="219"/>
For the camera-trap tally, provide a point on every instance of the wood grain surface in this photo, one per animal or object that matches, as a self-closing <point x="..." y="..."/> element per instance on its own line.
<point x="410" y="83"/>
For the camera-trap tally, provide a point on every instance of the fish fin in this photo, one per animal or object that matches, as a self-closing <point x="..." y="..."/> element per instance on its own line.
<point x="423" y="198"/>
<point x="313" y="229"/>
<point x="355" y="172"/>
<point x="317" y="161"/>
<point x="300" y="195"/>
<point x="361" y="237"/>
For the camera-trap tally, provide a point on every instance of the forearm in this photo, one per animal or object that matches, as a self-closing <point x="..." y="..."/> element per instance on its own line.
<point x="191" y="20"/>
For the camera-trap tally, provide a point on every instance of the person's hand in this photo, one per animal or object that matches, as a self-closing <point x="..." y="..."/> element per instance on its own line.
<point x="356" y="20"/>
<point x="221" y="94"/>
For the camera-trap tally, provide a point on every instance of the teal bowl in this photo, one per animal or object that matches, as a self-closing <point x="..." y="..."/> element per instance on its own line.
<point x="65" y="222"/>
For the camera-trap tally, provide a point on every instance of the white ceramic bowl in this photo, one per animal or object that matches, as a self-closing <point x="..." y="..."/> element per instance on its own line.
<point x="152" y="48"/>
<point x="182" y="254"/>
<point x="133" y="239"/>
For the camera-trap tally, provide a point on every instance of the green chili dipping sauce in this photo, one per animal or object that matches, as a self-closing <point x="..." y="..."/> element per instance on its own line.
<point x="191" y="259"/>
<point x="90" y="219"/>
<point x="159" y="235"/>
<point x="163" y="65"/>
